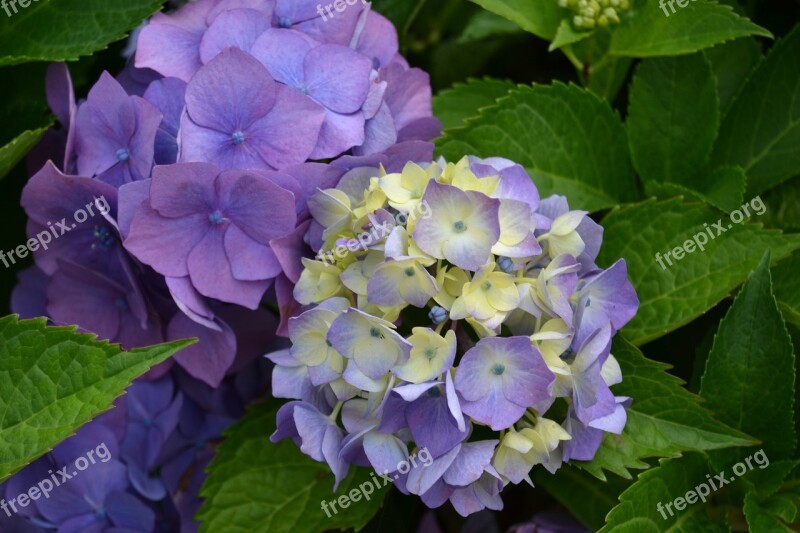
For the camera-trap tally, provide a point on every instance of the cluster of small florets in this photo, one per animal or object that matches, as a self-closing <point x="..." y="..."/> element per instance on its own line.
<point x="205" y="149"/>
<point x="591" y="13"/>
<point x="459" y="315"/>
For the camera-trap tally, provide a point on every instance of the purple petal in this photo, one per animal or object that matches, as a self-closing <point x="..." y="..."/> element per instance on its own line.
<point x="288" y="134"/>
<point x="421" y="478"/>
<point x="470" y="464"/>
<point x="282" y="52"/>
<point x="238" y="28"/>
<point x="249" y="260"/>
<point x="339" y="133"/>
<point x="258" y="206"/>
<point x="230" y="92"/>
<point x="180" y="33"/>
<point x="209" y="359"/>
<point x="212" y="274"/>
<point x="342" y="90"/>
<point x="384" y="451"/>
<point x="183" y="190"/>
<point x="432" y="424"/>
<point x="165" y="243"/>
<point x="131" y="197"/>
<point x="126" y="510"/>
<point x="607" y="297"/>
<point x="378" y="41"/>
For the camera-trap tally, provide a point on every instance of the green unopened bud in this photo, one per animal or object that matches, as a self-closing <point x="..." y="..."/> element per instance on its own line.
<point x="611" y="14"/>
<point x="602" y="21"/>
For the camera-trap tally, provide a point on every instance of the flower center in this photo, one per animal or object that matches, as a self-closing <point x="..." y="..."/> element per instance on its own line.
<point x="460" y="227"/>
<point x="506" y="264"/>
<point x="329" y="343"/>
<point x="486" y="285"/>
<point x="304" y="89"/>
<point x="238" y="137"/>
<point x="498" y="369"/>
<point x="123" y="154"/>
<point x="375" y="332"/>
<point x="437" y="314"/>
<point x="215" y="218"/>
<point x="148" y="423"/>
<point x="285" y="22"/>
<point x="434" y="392"/>
<point x="409" y="272"/>
<point x="100" y="513"/>
<point x="105" y="239"/>
<point x="121" y="304"/>
<point x="430" y="353"/>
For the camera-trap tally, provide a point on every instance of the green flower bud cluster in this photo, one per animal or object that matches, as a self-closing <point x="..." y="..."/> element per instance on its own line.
<point x="591" y="13"/>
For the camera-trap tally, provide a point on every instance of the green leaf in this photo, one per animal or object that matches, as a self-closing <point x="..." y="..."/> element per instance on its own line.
<point x="607" y="80"/>
<point x="761" y="131"/>
<point x="586" y="498"/>
<point x="256" y="486"/>
<point x="539" y="17"/>
<point x="58" y="30"/>
<point x="639" y="512"/>
<point x="53" y="380"/>
<point x="732" y="63"/>
<point x="570" y="141"/>
<point x="760" y="519"/>
<point x="699" y="25"/>
<point x="782" y="506"/>
<point x="453" y="106"/>
<point x="664" y="419"/>
<point x="787" y="288"/>
<point x="486" y="24"/>
<point x="400" y="12"/>
<point x="783" y="206"/>
<point x="768" y="480"/>
<point x="673" y="118"/>
<point x="566" y="34"/>
<point x="23" y="106"/>
<point x="13" y="152"/>
<point x="681" y="290"/>
<point x="723" y="188"/>
<point x="749" y="376"/>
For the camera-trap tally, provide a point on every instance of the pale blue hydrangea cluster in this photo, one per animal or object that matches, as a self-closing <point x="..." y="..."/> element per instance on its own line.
<point x="458" y="314"/>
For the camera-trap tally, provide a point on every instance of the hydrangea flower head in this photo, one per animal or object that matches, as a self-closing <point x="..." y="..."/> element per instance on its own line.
<point x="445" y="297"/>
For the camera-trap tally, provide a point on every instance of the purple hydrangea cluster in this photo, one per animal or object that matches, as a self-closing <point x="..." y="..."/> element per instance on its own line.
<point x="206" y="150"/>
<point x="448" y="309"/>
<point x="153" y="449"/>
